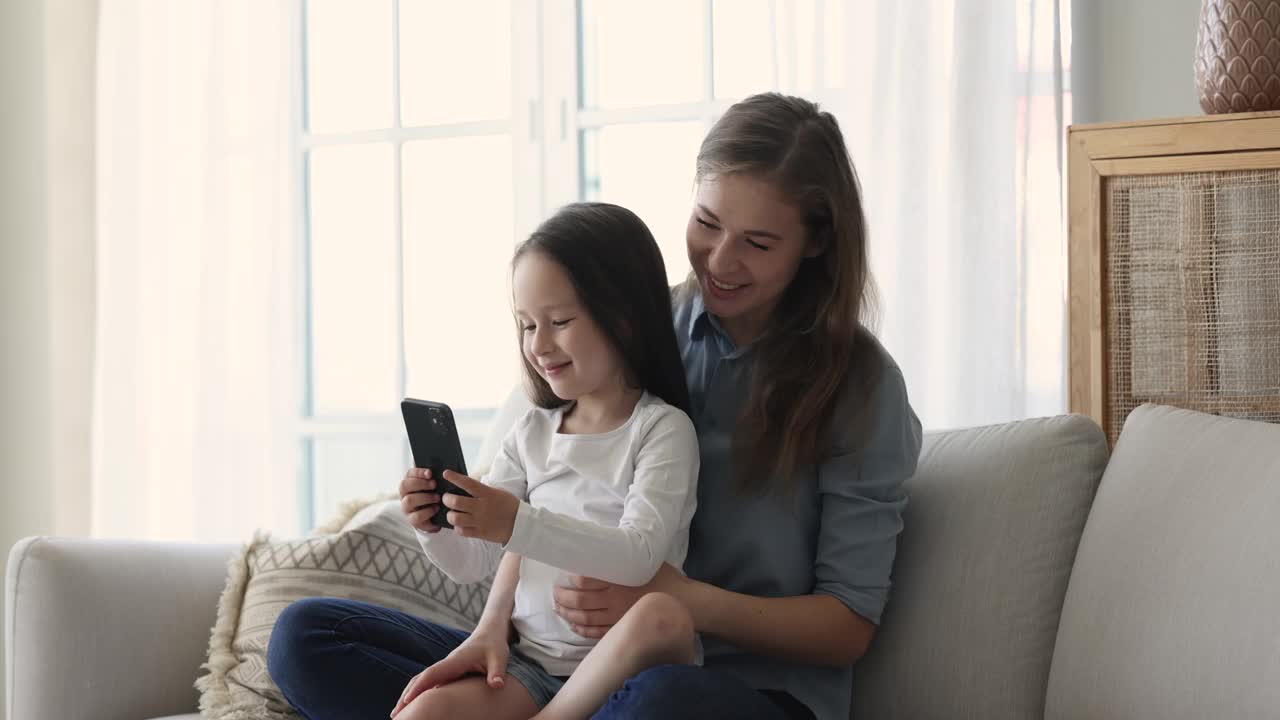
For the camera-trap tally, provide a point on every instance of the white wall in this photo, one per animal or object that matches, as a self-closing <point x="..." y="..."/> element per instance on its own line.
<point x="26" y="438"/>
<point x="1133" y="59"/>
<point x="46" y="267"/>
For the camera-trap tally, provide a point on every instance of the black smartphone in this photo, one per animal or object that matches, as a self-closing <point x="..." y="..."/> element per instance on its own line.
<point x="433" y="438"/>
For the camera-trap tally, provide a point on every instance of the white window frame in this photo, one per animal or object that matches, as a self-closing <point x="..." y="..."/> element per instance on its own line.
<point x="546" y="128"/>
<point x="524" y="127"/>
<point x="565" y="118"/>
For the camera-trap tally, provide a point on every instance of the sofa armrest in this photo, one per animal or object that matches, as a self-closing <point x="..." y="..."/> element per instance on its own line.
<point x="108" y="630"/>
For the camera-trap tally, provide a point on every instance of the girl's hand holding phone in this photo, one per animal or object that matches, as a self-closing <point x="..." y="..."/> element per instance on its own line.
<point x="489" y="514"/>
<point x="418" y="499"/>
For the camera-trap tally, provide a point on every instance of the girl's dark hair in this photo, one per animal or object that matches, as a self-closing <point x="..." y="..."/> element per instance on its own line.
<point x="816" y="345"/>
<point x="617" y="270"/>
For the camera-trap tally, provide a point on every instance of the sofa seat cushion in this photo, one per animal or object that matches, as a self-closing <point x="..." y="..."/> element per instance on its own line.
<point x="1174" y="605"/>
<point x="991" y="529"/>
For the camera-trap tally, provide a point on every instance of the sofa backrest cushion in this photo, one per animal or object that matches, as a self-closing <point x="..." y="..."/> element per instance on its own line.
<point x="511" y="410"/>
<point x="1173" y="610"/>
<point x="991" y="528"/>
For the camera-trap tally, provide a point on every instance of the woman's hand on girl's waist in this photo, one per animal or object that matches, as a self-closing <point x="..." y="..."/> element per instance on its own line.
<point x="592" y="606"/>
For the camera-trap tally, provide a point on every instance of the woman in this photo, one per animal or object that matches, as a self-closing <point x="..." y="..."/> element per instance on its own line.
<point x="805" y="432"/>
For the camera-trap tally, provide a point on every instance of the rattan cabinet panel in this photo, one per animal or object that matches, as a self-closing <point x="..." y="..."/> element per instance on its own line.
<point x="1175" y="267"/>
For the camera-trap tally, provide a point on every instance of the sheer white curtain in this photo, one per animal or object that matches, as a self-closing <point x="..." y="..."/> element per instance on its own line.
<point x="195" y="387"/>
<point x="954" y="111"/>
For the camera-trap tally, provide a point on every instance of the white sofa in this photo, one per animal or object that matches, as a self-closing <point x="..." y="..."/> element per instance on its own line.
<point x="1023" y="588"/>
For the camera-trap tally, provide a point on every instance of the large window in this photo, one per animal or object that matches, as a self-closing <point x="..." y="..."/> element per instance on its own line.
<point x="417" y="184"/>
<point x="435" y="134"/>
<point x="312" y="205"/>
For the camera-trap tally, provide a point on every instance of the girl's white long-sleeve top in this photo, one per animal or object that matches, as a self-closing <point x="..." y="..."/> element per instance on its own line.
<point x="613" y="506"/>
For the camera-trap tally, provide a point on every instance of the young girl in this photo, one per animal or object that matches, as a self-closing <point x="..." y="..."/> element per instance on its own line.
<point x="805" y="433"/>
<point x="598" y="480"/>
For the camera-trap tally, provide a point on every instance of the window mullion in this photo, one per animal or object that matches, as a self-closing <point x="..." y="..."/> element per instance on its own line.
<point x="397" y="194"/>
<point x="560" y="72"/>
<point x="305" y="475"/>
<point x="708" y="52"/>
<point x="397" y="198"/>
<point x="528" y="117"/>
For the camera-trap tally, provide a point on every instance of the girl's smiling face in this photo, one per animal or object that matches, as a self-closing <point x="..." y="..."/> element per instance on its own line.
<point x="559" y="337"/>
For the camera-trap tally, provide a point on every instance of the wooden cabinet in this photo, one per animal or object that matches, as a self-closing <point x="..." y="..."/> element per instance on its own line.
<point x="1174" y="255"/>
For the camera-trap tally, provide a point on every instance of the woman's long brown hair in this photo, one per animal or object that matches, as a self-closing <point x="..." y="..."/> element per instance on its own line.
<point x="815" y="347"/>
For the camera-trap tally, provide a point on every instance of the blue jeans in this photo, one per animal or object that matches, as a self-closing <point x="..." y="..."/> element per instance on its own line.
<point x="336" y="658"/>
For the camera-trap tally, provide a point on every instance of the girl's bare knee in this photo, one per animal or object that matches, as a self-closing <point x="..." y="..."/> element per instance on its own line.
<point x="471" y="699"/>
<point x="442" y="703"/>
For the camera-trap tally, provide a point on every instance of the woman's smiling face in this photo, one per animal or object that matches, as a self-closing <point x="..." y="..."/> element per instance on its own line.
<point x="745" y="244"/>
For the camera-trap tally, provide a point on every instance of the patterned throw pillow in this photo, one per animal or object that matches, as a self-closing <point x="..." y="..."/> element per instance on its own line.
<point x="369" y="554"/>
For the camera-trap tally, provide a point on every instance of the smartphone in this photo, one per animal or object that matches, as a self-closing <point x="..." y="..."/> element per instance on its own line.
<point x="433" y="438"/>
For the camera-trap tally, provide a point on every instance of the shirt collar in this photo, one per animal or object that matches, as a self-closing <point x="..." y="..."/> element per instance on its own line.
<point x="701" y="318"/>
<point x="703" y="321"/>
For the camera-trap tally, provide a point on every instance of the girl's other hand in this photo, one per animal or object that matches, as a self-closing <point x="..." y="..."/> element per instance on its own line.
<point x="483" y="654"/>
<point x="418" y="501"/>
